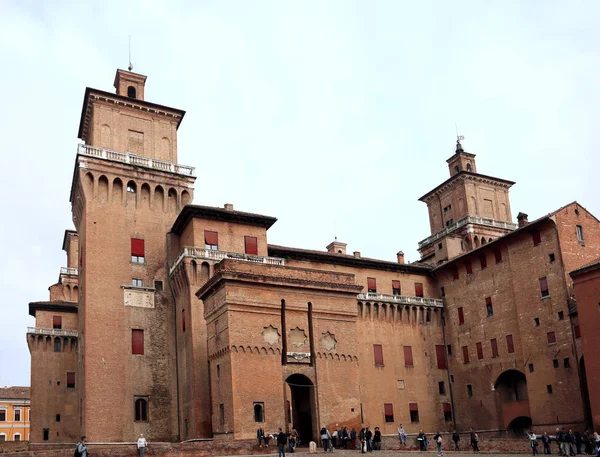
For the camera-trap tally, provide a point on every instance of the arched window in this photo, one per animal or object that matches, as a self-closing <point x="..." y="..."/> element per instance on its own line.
<point x="141" y="410"/>
<point x="58" y="418"/>
<point x="468" y="167"/>
<point x="259" y="412"/>
<point x="17" y="437"/>
<point x="131" y="187"/>
<point x="131" y="92"/>
<point x="56" y="344"/>
<point x="456" y="169"/>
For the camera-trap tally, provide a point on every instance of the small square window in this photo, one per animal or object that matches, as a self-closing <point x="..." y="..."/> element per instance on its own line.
<point x="439" y="245"/>
<point x="451" y="378"/>
<point x="158" y="286"/>
<point x="549" y="388"/>
<point x="551" y="256"/>
<point x="449" y="349"/>
<point x="469" y="390"/>
<point x="531" y="368"/>
<point x="567" y="362"/>
<point x="555" y="363"/>
<point x="561" y="315"/>
<point x="442" y="387"/>
<point x="536" y="321"/>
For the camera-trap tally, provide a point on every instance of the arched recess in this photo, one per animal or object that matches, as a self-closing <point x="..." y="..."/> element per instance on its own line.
<point x="131" y="193"/>
<point x="103" y="189"/>
<point x="519" y="426"/>
<point x="75" y="294"/>
<point x="476" y="241"/>
<point x="145" y="196"/>
<point x="67" y="292"/>
<point x="105" y="136"/>
<point x="483" y="241"/>
<point x="88" y="184"/>
<point x="302" y="405"/>
<point x="117" y="191"/>
<point x="194" y="271"/>
<point x="159" y="199"/>
<point x="165" y="149"/>
<point x="172" y="200"/>
<point x="204" y="272"/>
<point x="512" y="395"/>
<point x="186" y="198"/>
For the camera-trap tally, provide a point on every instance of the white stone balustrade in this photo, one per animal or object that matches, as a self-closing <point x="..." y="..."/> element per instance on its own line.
<point x="132" y="159"/>
<point x="69" y="271"/>
<point x="400" y="299"/>
<point x="464" y="221"/>
<point x="201" y="253"/>
<point x="52" y="332"/>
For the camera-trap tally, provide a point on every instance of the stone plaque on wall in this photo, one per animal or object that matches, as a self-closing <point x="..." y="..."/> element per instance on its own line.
<point x="138" y="298"/>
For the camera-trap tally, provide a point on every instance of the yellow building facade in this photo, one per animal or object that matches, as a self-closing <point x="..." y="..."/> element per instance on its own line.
<point x="14" y="413"/>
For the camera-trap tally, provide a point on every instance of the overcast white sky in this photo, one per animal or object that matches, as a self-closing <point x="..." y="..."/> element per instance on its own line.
<point x="333" y="116"/>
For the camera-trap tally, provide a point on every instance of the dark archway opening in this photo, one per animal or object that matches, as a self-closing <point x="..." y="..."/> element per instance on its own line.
<point x="512" y="386"/>
<point x="131" y="92"/>
<point x="585" y="394"/>
<point x="519" y="426"/>
<point x="303" y="397"/>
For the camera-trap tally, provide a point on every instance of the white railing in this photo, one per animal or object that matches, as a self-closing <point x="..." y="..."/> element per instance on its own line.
<point x="132" y="159"/>
<point x="68" y="271"/>
<point x="52" y="331"/>
<point x="464" y="221"/>
<point x="201" y="253"/>
<point x="400" y="299"/>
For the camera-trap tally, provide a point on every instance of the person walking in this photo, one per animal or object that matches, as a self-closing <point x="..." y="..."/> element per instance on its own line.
<point x="82" y="448"/>
<point x="474" y="440"/>
<point x="281" y="442"/>
<point x="456" y="439"/>
<point x="421" y="438"/>
<point x="587" y="442"/>
<point x="353" y="438"/>
<point x="363" y="441"/>
<point x="533" y="442"/>
<point x="438" y="442"/>
<point x="571" y="441"/>
<point x="578" y="442"/>
<point x="141" y="444"/>
<point x="369" y="439"/>
<point x="546" y="443"/>
<point x="260" y="436"/>
<point x="377" y="439"/>
<point x="401" y="435"/>
<point x="326" y="439"/>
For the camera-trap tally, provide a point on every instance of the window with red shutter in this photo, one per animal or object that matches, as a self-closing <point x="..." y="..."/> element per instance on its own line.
<point x="479" y="351"/>
<point x="137" y="250"/>
<point x="461" y="315"/>
<point x="510" y="344"/>
<point x="408" y="358"/>
<point x="396" y="287"/>
<point x="465" y="350"/>
<point x="468" y="267"/>
<point x="577" y="331"/>
<point x="483" y="261"/>
<point x="372" y="284"/>
<point x="544" y="287"/>
<point x="454" y="273"/>
<point x="378" y="353"/>
<point x="536" y="237"/>
<point x="494" y="343"/>
<point x="498" y="255"/>
<point x="551" y="337"/>
<point x="489" y="308"/>
<point x="440" y="353"/>
<point x="388" y="410"/>
<point x="251" y="245"/>
<point x="447" y="412"/>
<point x="211" y="240"/>
<point x="137" y="342"/>
<point x="57" y="322"/>
<point x="418" y="289"/>
<point x="70" y="379"/>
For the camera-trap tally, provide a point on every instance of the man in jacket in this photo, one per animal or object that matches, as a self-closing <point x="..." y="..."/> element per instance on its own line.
<point x="456" y="439"/>
<point x="281" y="441"/>
<point x="82" y="448"/>
<point x="474" y="440"/>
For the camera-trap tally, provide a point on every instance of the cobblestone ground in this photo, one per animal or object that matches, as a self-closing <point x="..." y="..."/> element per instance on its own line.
<point x="303" y="452"/>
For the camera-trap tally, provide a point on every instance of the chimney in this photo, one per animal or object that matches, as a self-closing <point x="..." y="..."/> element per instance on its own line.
<point x="228" y="206"/>
<point x="357" y="254"/>
<point x="522" y="219"/>
<point x="400" y="256"/>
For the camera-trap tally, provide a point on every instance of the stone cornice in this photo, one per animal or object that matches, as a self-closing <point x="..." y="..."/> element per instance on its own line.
<point x="465" y="176"/>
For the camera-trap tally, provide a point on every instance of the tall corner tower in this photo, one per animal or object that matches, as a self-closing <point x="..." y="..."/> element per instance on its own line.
<point x="127" y="191"/>
<point x="465" y="211"/>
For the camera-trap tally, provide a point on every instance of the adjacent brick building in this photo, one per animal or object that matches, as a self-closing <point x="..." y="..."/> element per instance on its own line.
<point x="180" y="321"/>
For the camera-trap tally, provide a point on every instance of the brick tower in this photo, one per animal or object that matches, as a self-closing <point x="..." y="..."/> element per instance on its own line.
<point x="127" y="191"/>
<point x="465" y="211"/>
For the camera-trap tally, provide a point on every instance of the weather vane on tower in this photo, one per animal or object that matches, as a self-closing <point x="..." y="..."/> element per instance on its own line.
<point x="130" y="67"/>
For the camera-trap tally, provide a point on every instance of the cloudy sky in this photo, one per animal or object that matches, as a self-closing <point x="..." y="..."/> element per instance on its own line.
<point x="333" y="116"/>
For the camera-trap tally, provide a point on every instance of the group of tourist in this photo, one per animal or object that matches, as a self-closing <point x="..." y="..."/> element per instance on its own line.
<point x="569" y="443"/>
<point x="438" y="440"/>
<point x="342" y="438"/>
<point x="283" y="439"/>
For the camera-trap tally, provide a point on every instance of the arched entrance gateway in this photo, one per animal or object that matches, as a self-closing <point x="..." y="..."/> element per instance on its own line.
<point x="300" y="409"/>
<point x="513" y="399"/>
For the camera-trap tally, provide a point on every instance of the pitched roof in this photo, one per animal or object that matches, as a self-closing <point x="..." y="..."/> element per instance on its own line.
<point x="58" y="305"/>
<point x="594" y="264"/>
<point x="15" y="392"/>
<point x="221" y="214"/>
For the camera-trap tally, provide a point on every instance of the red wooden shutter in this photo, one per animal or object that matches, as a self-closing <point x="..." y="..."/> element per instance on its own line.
<point x="413" y="406"/>
<point x="378" y="353"/>
<point x="469" y="267"/>
<point x="70" y="379"/>
<point x="137" y="342"/>
<point x="551" y="337"/>
<point x="56" y="322"/>
<point x="479" y="351"/>
<point x="494" y="342"/>
<point x="544" y="286"/>
<point x="447" y="407"/>
<point x="408" y="359"/>
<point x="418" y="289"/>
<point x="488" y="301"/>
<point x="137" y="247"/>
<point x="251" y="245"/>
<point x="396" y="285"/>
<point x="483" y="261"/>
<point x="440" y="352"/>
<point x="536" y="237"/>
<point x="465" y="354"/>
<point x="211" y="238"/>
<point x="510" y="343"/>
<point x="461" y="315"/>
<point x="577" y="331"/>
<point x="388" y="409"/>
<point x="498" y="255"/>
<point x="371" y="284"/>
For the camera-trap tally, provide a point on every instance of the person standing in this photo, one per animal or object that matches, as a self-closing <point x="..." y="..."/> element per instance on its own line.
<point x="326" y="439"/>
<point x="377" y="439"/>
<point x="369" y="439"/>
<point x="578" y="442"/>
<point x="142" y="443"/>
<point x="353" y="438"/>
<point x="587" y="442"/>
<point x="571" y="441"/>
<point x="293" y="439"/>
<point x="421" y="439"/>
<point x="401" y="435"/>
<point x="260" y="436"/>
<point x="546" y="443"/>
<point x="281" y="441"/>
<point x="363" y="441"/>
<point x="474" y="441"/>
<point x="438" y="442"/>
<point x="596" y="444"/>
<point x="82" y="448"/>
<point x="533" y="442"/>
<point x="456" y="439"/>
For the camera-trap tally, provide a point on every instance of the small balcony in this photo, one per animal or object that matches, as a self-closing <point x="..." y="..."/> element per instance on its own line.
<point x="132" y="159"/>
<point x="209" y="254"/>
<point x="52" y="332"/>
<point x="400" y="299"/>
<point x="464" y="221"/>
<point x="69" y="271"/>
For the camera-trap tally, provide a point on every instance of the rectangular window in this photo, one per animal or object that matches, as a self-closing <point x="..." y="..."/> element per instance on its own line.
<point x="251" y="245"/>
<point x="221" y="414"/>
<point x="531" y="369"/>
<point x="408" y="358"/>
<point x="46" y="434"/>
<point x="388" y="409"/>
<point x="2" y="415"/>
<point x="451" y="378"/>
<point x="483" y="261"/>
<point x="440" y="352"/>
<point x="414" y="412"/>
<point x="183" y="320"/>
<point x="57" y="322"/>
<point x="137" y="282"/>
<point x="536" y="321"/>
<point x="577" y="331"/>
<point x="158" y="286"/>
<point x="70" y="379"/>
<point x="372" y="284"/>
<point x="137" y="342"/>
<point x="141" y="409"/>
<point x="479" y="351"/>
<point x="561" y="315"/>
<point x="469" y="267"/>
<point x="544" y="287"/>
<point x="549" y="388"/>
<point x="396" y="287"/>
<point x="418" y="289"/>
<point x="17" y="415"/>
<point x="461" y="315"/>
<point x="449" y="347"/>
<point x="442" y="388"/>
<point x="551" y="337"/>
<point x="494" y="343"/>
<point x="465" y="350"/>
<point x="442" y="291"/>
<point x="137" y="250"/>
<point x="489" y="308"/>
<point x="378" y="354"/>
<point x="469" y="390"/>
<point x="510" y="344"/>
<point x="555" y="363"/>
<point x="211" y="240"/>
<point x="498" y="255"/>
<point x="551" y="257"/>
<point x="454" y="273"/>
<point x="447" y="412"/>
<point x="536" y="237"/>
<point x="567" y="362"/>
<point x="580" y="233"/>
